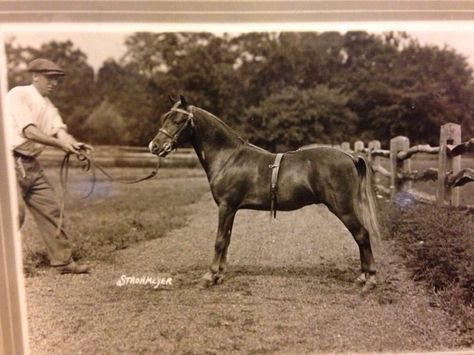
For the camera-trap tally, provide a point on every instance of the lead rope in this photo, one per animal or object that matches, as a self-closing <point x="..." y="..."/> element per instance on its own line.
<point x="88" y="163"/>
<point x="63" y="178"/>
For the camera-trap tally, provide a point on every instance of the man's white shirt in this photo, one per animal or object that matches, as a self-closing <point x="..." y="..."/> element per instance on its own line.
<point x="26" y="106"/>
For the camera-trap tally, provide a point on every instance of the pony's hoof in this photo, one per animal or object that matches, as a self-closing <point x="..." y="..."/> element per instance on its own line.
<point x="370" y="285"/>
<point x="203" y="284"/>
<point x="210" y="279"/>
<point x="219" y="279"/>
<point x="361" y="280"/>
<point x="206" y="281"/>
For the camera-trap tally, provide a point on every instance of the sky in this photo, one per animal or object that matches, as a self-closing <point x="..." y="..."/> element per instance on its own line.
<point x="108" y="41"/>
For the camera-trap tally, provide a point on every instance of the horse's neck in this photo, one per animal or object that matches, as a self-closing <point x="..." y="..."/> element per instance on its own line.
<point x="213" y="141"/>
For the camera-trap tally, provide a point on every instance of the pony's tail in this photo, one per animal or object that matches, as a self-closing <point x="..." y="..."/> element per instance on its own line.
<point x="366" y="209"/>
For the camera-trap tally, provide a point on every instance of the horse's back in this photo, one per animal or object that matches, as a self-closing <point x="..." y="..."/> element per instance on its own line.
<point x="317" y="175"/>
<point x="323" y="158"/>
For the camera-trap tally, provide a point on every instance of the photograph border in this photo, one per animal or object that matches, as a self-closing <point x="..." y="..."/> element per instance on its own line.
<point x="174" y="15"/>
<point x="243" y="11"/>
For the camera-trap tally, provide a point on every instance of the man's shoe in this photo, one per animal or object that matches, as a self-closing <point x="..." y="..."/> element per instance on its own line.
<point x="73" y="268"/>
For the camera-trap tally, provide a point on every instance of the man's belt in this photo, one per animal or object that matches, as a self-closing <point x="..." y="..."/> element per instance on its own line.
<point x="22" y="156"/>
<point x="274" y="184"/>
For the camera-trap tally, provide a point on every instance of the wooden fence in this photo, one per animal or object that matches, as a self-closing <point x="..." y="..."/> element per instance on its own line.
<point x="448" y="176"/>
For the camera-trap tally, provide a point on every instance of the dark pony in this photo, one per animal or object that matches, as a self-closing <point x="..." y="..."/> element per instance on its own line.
<point x="239" y="176"/>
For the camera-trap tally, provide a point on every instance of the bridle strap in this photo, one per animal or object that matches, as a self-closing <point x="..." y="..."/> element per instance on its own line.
<point x="174" y="137"/>
<point x="184" y="112"/>
<point x="166" y="133"/>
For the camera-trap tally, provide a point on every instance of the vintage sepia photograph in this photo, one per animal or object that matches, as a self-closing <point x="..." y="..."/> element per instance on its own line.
<point x="230" y="189"/>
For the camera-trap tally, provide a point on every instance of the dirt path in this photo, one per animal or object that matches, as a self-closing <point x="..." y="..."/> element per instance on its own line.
<point x="289" y="289"/>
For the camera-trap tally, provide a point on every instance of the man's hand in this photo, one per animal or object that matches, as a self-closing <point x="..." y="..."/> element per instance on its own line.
<point x="76" y="148"/>
<point x="70" y="145"/>
<point x="84" y="147"/>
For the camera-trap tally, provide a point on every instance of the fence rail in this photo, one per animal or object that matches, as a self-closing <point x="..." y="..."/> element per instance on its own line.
<point x="124" y="156"/>
<point x="448" y="175"/>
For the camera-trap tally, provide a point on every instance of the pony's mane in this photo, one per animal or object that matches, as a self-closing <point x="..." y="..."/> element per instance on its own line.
<point x="222" y="123"/>
<point x="257" y="147"/>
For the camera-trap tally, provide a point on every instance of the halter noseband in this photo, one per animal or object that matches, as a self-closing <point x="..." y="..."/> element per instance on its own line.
<point x="168" y="147"/>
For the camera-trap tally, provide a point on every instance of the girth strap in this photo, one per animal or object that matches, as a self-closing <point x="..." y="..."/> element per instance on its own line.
<point x="274" y="184"/>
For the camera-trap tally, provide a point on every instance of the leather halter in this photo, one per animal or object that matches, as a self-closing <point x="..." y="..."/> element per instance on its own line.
<point x="274" y="184"/>
<point x="170" y="146"/>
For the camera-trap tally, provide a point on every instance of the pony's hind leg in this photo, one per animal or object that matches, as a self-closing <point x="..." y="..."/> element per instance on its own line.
<point x="361" y="236"/>
<point x="217" y="268"/>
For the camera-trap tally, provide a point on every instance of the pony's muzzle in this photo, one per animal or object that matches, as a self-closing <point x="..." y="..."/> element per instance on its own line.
<point x="161" y="151"/>
<point x="154" y="147"/>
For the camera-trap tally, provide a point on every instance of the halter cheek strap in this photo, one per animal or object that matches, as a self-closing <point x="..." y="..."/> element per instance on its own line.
<point x="169" y="146"/>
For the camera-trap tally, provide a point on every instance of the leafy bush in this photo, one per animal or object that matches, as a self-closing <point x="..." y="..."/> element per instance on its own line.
<point x="438" y="247"/>
<point x="106" y="125"/>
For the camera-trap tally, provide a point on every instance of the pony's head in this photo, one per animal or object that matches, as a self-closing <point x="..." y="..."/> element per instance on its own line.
<point x="175" y="128"/>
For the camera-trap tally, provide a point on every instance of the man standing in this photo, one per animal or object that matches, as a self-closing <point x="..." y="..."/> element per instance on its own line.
<point x="36" y="123"/>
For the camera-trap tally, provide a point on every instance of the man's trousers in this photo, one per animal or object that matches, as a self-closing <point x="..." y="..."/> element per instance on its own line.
<point x="38" y="194"/>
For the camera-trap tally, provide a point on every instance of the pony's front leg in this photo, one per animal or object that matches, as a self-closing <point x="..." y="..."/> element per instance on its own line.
<point x="224" y="231"/>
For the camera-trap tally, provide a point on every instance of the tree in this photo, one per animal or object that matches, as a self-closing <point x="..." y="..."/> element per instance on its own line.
<point x="439" y="88"/>
<point x="77" y="96"/>
<point x="398" y="87"/>
<point x="378" y="86"/>
<point x="294" y="117"/>
<point x="198" y="65"/>
<point x="106" y="125"/>
<point x="18" y="58"/>
<point x="132" y="96"/>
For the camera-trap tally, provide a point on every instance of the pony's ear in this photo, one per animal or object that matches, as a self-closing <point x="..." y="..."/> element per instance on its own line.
<point x="183" y="102"/>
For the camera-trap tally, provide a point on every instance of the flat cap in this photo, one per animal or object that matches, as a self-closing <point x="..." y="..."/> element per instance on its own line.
<point x="44" y="66"/>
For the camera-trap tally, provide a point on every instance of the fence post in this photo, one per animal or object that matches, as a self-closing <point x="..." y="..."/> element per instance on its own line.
<point x="346" y="146"/>
<point x="374" y="161"/>
<point x="398" y="144"/>
<point x="373" y="145"/>
<point x="358" y="146"/>
<point x="450" y="134"/>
